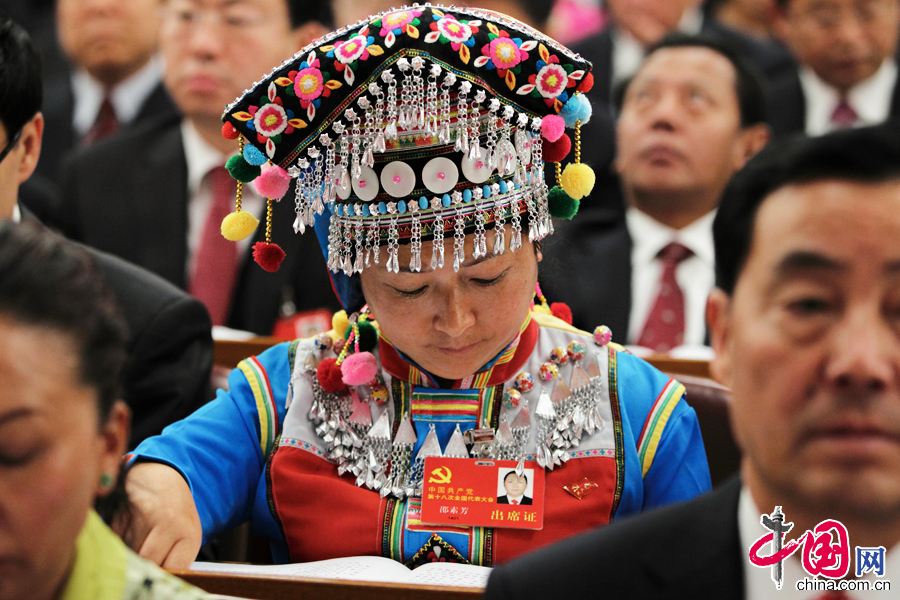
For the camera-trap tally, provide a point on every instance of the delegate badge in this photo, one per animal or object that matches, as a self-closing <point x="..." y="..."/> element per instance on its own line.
<point x="483" y="493"/>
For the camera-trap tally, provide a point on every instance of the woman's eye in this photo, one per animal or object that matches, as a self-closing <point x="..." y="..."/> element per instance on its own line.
<point x="808" y="306"/>
<point x="18" y="459"/>
<point x="487" y="282"/>
<point x="410" y="293"/>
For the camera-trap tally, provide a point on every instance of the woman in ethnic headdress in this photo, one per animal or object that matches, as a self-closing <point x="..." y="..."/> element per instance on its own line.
<point x="416" y="143"/>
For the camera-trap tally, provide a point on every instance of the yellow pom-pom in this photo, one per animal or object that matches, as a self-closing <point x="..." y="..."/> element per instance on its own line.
<point x="340" y="322"/>
<point x="540" y="308"/>
<point x="238" y="225"/>
<point x="578" y="180"/>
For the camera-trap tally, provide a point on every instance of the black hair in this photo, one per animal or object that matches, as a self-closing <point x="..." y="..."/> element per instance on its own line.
<point x="304" y="11"/>
<point x="514" y="473"/>
<point x="749" y="86"/>
<point x="46" y="281"/>
<point x="868" y="154"/>
<point x="21" y="90"/>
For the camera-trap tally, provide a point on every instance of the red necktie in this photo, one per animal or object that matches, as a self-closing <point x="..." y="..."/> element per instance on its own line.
<point x="513" y="501"/>
<point x="215" y="264"/>
<point x="843" y="115"/>
<point x="104" y="126"/>
<point x="664" y="328"/>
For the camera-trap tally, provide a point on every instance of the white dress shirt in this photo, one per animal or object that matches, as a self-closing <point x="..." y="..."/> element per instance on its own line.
<point x="695" y="275"/>
<point x="871" y="99"/>
<point x="127" y="98"/>
<point x="758" y="581"/>
<point x="628" y="53"/>
<point x="201" y="157"/>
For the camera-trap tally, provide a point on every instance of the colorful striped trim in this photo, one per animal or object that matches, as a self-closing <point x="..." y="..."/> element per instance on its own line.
<point x="481" y="546"/>
<point x="609" y="452"/>
<point x="265" y="404"/>
<point x="301" y="445"/>
<point x="392" y="529"/>
<point x="392" y="534"/>
<point x="445" y="405"/>
<point x="617" y="432"/>
<point x="656" y="423"/>
<point x="490" y="406"/>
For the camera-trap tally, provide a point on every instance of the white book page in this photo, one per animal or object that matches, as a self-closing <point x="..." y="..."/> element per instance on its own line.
<point x="357" y="568"/>
<point x="451" y="574"/>
<point x="361" y="568"/>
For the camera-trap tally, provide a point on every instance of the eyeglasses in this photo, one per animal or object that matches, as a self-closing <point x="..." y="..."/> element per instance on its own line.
<point x="10" y="145"/>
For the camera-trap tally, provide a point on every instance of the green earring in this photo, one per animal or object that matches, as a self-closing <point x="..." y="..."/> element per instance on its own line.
<point x="106" y="481"/>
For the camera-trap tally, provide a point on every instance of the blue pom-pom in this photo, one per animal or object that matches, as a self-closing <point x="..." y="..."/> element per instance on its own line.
<point x="253" y="156"/>
<point x="578" y="108"/>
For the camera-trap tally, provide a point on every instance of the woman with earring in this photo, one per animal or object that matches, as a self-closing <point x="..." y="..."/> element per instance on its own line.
<point x="415" y="141"/>
<point x="62" y="429"/>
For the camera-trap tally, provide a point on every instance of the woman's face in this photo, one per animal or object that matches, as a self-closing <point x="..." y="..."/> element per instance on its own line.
<point x="451" y="324"/>
<point x="52" y="453"/>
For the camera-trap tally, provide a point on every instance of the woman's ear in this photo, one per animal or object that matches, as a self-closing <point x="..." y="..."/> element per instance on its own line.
<point x="114" y="441"/>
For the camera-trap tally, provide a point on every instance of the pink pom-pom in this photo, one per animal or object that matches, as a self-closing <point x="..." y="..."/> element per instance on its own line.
<point x="359" y="368"/>
<point x="273" y="182"/>
<point x="268" y="256"/>
<point x="329" y="375"/>
<point x="552" y="126"/>
<point x="561" y="310"/>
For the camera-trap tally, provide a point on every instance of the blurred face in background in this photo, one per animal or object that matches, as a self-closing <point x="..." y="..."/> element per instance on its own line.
<point x="110" y="39"/>
<point x="843" y="41"/>
<point x="215" y="49"/>
<point x="53" y="450"/>
<point x="648" y="20"/>
<point x="680" y="134"/>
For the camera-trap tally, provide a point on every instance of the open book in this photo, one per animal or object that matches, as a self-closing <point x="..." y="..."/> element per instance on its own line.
<point x="362" y="568"/>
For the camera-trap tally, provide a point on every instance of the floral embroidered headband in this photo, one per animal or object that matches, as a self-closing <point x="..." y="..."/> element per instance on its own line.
<point x="411" y="125"/>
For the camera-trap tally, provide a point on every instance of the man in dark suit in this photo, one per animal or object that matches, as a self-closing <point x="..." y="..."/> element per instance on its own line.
<point x="153" y="195"/>
<point x="114" y="78"/>
<point x="169" y="345"/>
<point x="847" y="69"/>
<point x="807" y="264"/>
<point x="690" y="118"/>
<point x="515" y="486"/>
<point x="635" y="25"/>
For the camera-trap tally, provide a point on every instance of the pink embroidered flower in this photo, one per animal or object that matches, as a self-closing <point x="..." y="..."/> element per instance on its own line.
<point x="350" y="50"/>
<point x="551" y="80"/>
<point x="504" y="53"/>
<point x="453" y="30"/>
<point x="270" y="120"/>
<point x="396" y="20"/>
<point x="308" y="85"/>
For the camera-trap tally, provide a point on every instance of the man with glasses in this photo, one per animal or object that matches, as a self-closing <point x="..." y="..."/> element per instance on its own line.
<point x="847" y="72"/>
<point x="115" y="193"/>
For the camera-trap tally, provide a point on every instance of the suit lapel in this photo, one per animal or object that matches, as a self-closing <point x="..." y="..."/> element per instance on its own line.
<point x="161" y="193"/>
<point x="708" y="555"/>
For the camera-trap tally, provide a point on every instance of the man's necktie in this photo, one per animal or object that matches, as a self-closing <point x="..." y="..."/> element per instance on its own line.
<point x="664" y="328"/>
<point x="513" y="501"/>
<point x="104" y="126"/>
<point x="843" y="115"/>
<point x="215" y="267"/>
